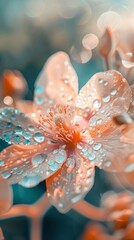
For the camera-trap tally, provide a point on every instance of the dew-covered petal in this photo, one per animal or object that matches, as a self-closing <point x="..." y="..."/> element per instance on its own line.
<point x="57" y="82"/>
<point x="44" y="166"/>
<point x="114" y="153"/>
<point x="17" y="128"/>
<point x="71" y="183"/>
<point x="5" y="196"/>
<point x="109" y="152"/>
<point x="102" y="89"/>
<point x="29" y="165"/>
<point x="102" y="123"/>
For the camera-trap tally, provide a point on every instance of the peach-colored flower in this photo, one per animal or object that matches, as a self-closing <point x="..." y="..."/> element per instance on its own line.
<point x="70" y="134"/>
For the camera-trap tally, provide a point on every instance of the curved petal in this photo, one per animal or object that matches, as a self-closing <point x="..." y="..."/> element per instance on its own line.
<point x="30" y="165"/>
<point x="70" y="184"/>
<point x="5" y="196"/>
<point x="102" y="122"/>
<point x="57" y="82"/>
<point x="17" y="128"/>
<point x="109" y="152"/>
<point x="103" y="88"/>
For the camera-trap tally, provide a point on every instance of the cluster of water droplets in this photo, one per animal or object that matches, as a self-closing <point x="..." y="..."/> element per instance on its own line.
<point x="16" y="128"/>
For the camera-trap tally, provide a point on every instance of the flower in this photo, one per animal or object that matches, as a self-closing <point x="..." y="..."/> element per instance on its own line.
<point x="68" y="134"/>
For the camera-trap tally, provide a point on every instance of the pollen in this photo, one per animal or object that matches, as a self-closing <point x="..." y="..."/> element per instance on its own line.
<point x="59" y="128"/>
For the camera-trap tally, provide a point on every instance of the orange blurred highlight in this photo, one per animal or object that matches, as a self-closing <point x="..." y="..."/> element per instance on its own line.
<point x="13" y="84"/>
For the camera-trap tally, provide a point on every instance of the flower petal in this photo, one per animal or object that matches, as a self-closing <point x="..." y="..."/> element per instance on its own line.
<point x="70" y="184"/>
<point x="103" y="88"/>
<point x="30" y="165"/>
<point x="5" y="196"/>
<point x="17" y="128"/>
<point x="109" y="152"/>
<point x="28" y="108"/>
<point x="57" y="82"/>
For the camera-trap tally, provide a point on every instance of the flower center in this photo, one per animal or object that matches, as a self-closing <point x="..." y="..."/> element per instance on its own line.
<point x="58" y="126"/>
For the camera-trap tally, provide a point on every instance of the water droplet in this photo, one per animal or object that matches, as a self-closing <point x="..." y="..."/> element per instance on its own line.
<point x="30" y="181"/>
<point x="60" y="158"/>
<point x="39" y="100"/>
<point x="2" y="163"/>
<point x="100" y="80"/>
<point x="127" y="60"/>
<point x="129" y="167"/>
<point x="39" y="137"/>
<point x="18" y="130"/>
<point x="99" y="121"/>
<point x="50" y="162"/>
<point x="4" y="112"/>
<point x="54" y="166"/>
<point x="13" y="117"/>
<point x="38" y="159"/>
<point x="6" y="138"/>
<point x="17" y="137"/>
<point x="76" y="199"/>
<point x="27" y="135"/>
<point x="84" y="149"/>
<point x="106" y="99"/>
<point x="19" y="173"/>
<point x="27" y="142"/>
<point x="60" y="205"/>
<point x="9" y="124"/>
<point x="113" y="92"/>
<point x="97" y="146"/>
<point x="91" y="156"/>
<point x="96" y="103"/>
<point x="31" y="128"/>
<point x="91" y="142"/>
<point x="105" y="83"/>
<point x="39" y="89"/>
<point x="108" y="164"/>
<point x="6" y="175"/>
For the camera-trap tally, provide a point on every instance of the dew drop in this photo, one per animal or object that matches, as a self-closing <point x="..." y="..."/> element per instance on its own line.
<point x="31" y="128"/>
<point x="96" y="103"/>
<point x="76" y="199"/>
<point x="91" y="156"/>
<point x="106" y="99"/>
<point x="18" y="130"/>
<point x="6" y="175"/>
<point x="50" y="162"/>
<point x="108" y="164"/>
<point x="60" y="158"/>
<point x="38" y="159"/>
<point x="54" y="166"/>
<point x="99" y="121"/>
<point x="27" y="135"/>
<point x="39" y="89"/>
<point x="100" y="80"/>
<point x="2" y="163"/>
<point x="97" y="146"/>
<point x="30" y="181"/>
<point x="39" y="137"/>
<point x="113" y="92"/>
<point x="129" y="167"/>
